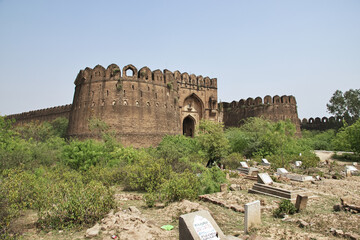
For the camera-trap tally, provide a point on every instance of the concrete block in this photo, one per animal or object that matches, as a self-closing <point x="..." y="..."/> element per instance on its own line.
<point x="252" y="215"/>
<point x="199" y="226"/>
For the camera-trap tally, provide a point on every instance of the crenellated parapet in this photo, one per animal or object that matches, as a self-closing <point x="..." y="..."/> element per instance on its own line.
<point x="322" y="124"/>
<point x="131" y="73"/>
<point x="41" y="115"/>
<point x="141" y="105"/>
<point x="274" y="108"/>
<point x="258" y="101"/>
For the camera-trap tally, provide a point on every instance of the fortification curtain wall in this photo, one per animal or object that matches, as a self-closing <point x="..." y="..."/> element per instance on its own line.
<point x="273" y="108"/>
<point x="140" y="106"/>
<point x="41" y="115"/>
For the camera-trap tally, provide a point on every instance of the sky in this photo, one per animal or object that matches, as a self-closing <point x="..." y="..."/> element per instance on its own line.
<point x="308" y="49"/>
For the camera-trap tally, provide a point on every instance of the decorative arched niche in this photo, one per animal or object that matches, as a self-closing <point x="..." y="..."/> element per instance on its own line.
<point x="189" y="126"/>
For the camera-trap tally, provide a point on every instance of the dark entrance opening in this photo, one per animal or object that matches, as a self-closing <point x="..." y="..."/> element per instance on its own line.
<point x="189" y="126"/>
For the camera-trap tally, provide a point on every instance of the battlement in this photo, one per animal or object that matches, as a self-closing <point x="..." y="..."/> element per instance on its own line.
<point x="273" y="108"/>
<point x="130" y="72"/>
<point x="258" y="101"/>
<point x="321" y="124"/>
<point x="46" y="114"/>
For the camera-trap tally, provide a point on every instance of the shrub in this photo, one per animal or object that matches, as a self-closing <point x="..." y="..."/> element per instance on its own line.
<point x="211" y="179"/>
<point x="285" y="207"/>
<point x="80" y="155"/>
<point x="232" y="161"/>
<point x="181" y="186"/>
<point x="67" y="204"/>
<point x="147" y="174"/>
<point x="212" y="140"/>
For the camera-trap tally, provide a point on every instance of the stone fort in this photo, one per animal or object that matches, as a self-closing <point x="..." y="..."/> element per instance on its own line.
<point x="142" y="106"/>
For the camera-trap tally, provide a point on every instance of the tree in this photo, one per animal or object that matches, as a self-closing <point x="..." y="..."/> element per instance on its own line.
<point x="348" y="138"/>
<point x="346" y="105"/>
<point x="212" y="140"/>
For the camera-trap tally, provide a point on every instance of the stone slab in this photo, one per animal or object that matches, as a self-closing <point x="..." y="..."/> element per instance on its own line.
<point x="199" y="225"/>
<point x="351" y="168"/>
<point x="252" y="215"/>
<point x="301" y="202"/>
<point x="298" y="163"/>
<point x="244" y="164"/>
<point x="264" y="178"/>
<point x="265" y="162"/>
<point x="282" y="171"/>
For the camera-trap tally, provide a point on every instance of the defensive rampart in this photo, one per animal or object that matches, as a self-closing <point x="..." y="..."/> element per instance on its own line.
<point x="41" y="115"/>
<point x="141" y="106"/>
<point x="321" y="124"/>
<point x="273" y="108"/>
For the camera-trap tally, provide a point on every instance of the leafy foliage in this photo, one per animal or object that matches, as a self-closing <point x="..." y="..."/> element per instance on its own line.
<point x="285" y="207"/>
<point x="212" y="140"/>
<point x="346" y="105"/>
<point x="348" y="138"/>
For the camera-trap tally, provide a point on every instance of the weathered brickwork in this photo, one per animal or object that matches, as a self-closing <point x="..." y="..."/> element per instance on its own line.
<point x="273" y="108"/>
<point x="321" y="124"/>
<point x="42" y="115"/>
<point x="142" y="106"/>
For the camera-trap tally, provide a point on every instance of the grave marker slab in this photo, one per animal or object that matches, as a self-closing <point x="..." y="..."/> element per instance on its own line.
<point x="282" y="171"/>
<point x="301" y="201"/>
<point x="264" y="178"/>
<point x="351" y="168"/>
<point x="199" y="226"/>
<point x="244" y="164"/>
<point x="252" y="215"/>
<point x="265" y="162"/>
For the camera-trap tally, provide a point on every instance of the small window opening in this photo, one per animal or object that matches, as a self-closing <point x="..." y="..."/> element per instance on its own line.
<point x="132" y="86"/>
<point x="129" y="72"/>
<point x="124" y="93"/>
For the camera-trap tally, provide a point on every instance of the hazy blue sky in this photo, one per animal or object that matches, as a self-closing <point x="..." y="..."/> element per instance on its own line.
<point x="303" y="48"/>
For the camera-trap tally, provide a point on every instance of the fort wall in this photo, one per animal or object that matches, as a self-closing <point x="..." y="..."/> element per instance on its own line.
<point x="140" y="106"/>
<point x="41" y="115"/>
<point x="273" y="108"/>
<point x="321" y="124"/>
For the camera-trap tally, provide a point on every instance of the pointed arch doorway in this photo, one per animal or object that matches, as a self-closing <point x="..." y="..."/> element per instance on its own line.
<point x="189" y="126"/>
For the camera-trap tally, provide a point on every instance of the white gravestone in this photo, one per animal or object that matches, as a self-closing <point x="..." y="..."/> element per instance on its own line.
<point x="282" y="171"/>
<point x="265" y="162"/>
<point x="350" y="168"/>
<point x="244" y="164"/>
<point x="264" y="178"/>
<point x="252" y="215"/>
<point x="199" y="226"/>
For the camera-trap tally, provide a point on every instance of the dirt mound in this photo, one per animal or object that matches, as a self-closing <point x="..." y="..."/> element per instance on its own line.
<point x="131" y="224"/>
<point x="174" y="210"/>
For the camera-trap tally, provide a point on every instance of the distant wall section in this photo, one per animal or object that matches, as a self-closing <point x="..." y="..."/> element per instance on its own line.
<point x="273" y="108"/>
<point x="321" y="124"/>
<point x="41" y="115"/>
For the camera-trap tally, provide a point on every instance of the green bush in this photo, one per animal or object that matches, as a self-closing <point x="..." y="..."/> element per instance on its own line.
<point x="212" y="141"/>
<point x="68" y="204"/>
<point x="108" y="176"/>
<point x="232" y="161"/>
<point x="211" y="179"/>
<point x="147" y="174"/>
<point x="181" y="186"/>
<point x="81" y="155"/>
<point x="285" y="207"/>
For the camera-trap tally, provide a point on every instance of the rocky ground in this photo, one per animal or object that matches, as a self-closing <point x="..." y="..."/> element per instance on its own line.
<point x="133" y="220"/>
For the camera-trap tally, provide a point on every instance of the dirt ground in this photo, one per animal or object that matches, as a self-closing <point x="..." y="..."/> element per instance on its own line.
<point x="133" y="220"/>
